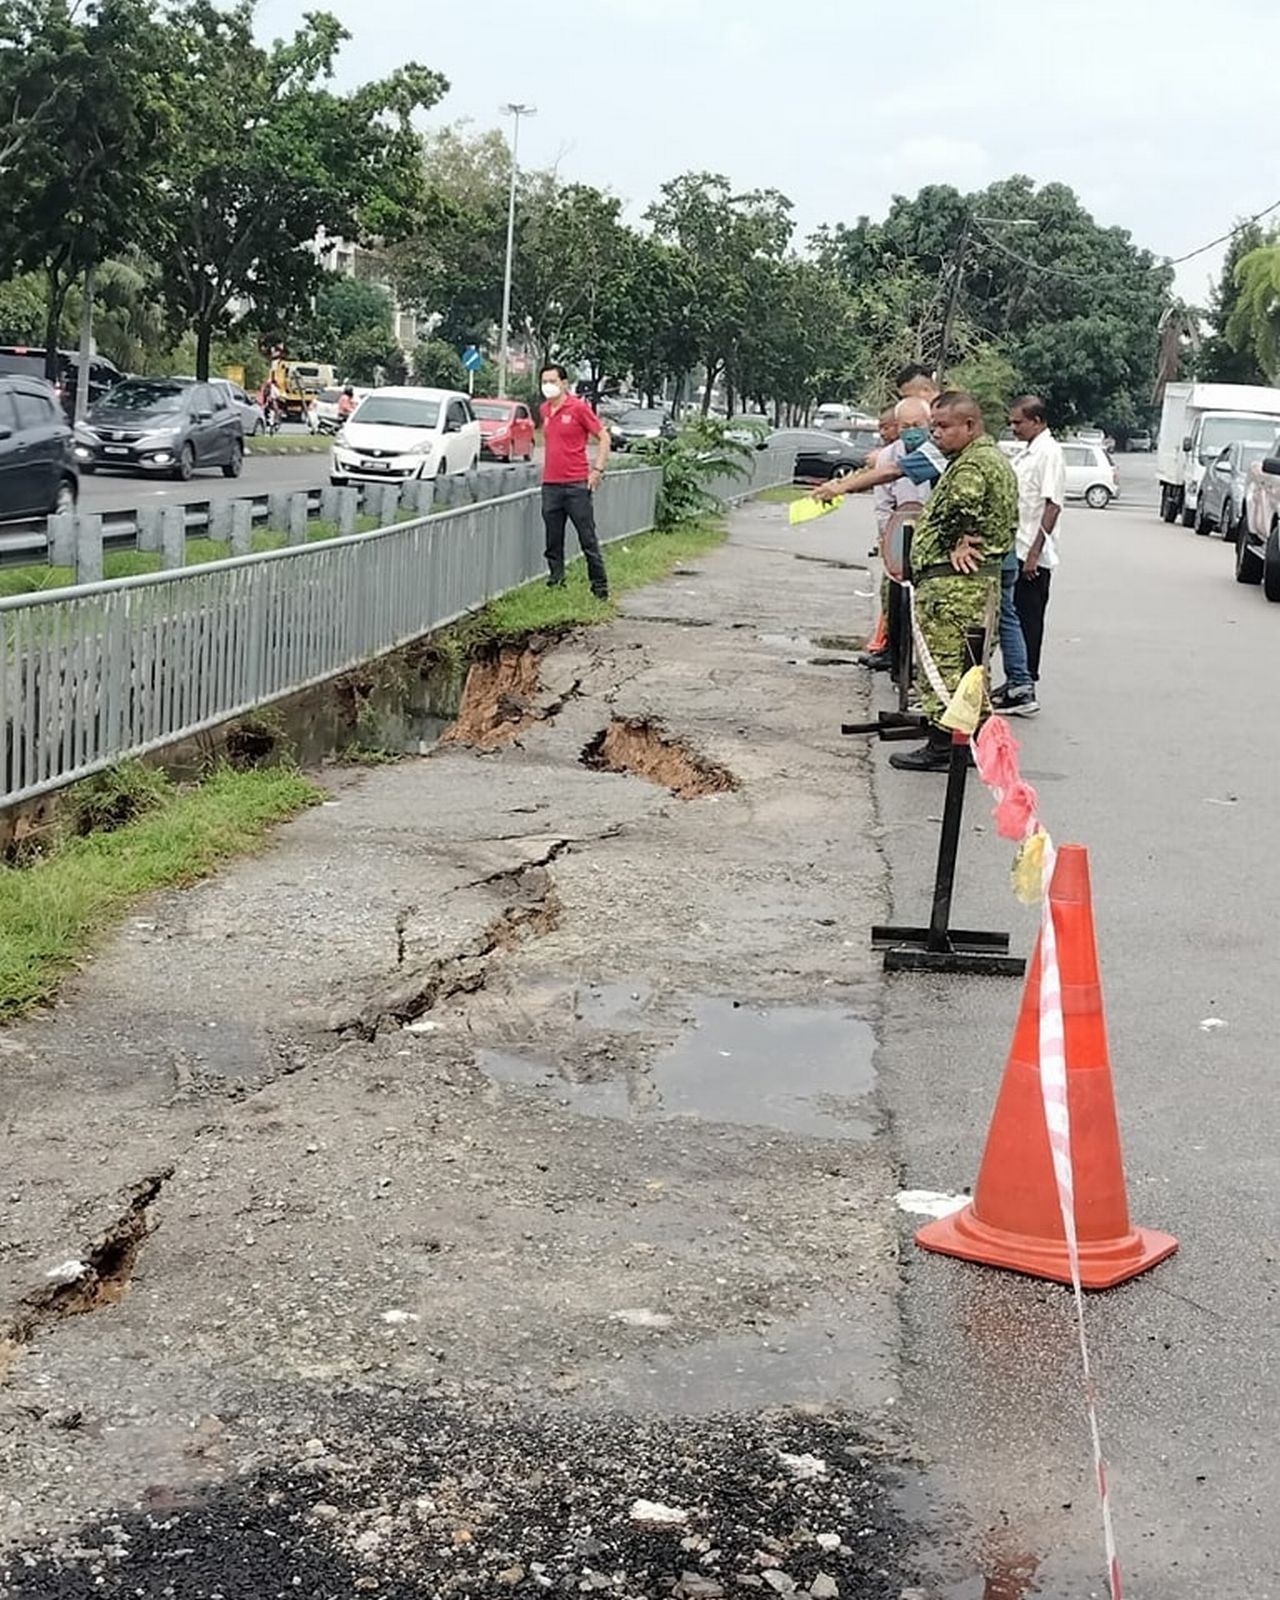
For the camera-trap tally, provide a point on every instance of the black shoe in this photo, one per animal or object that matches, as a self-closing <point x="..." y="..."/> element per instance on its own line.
<point x="556" y="583"/>
<point x="876" y="660"/>
<point x="935" y="756"/>
<point x="1015" y="702"/>
<point x="601" y="594"/>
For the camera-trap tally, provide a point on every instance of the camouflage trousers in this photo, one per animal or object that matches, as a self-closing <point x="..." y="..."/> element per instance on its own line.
<point x="946" y="609"/>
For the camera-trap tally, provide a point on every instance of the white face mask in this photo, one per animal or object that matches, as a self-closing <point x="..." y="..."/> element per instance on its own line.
<point x="550" y="390"/>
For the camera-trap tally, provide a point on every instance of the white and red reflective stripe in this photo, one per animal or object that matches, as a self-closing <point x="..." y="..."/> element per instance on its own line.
<point x="1057" y="1116"/>
<point x="923" y="655"/>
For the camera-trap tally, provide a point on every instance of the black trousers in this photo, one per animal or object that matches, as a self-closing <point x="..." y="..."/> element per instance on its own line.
<point x="1031" y="601"/>
<point x="572" y="502"/>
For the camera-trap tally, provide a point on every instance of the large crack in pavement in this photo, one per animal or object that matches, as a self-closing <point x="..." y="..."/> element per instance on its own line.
<point x="439" y="1298"/>
<point x="98" y="1277"/>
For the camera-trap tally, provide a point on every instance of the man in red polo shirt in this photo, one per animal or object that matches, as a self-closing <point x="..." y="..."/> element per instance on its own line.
<point x="567" y="482"/>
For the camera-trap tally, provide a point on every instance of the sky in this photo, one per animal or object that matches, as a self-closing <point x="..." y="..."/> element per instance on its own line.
<point x="1160" y="114"/>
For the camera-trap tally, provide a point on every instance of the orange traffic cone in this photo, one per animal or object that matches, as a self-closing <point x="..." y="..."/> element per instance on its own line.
<point x="879" y="640"/>
<point x="1014" y="1220"/>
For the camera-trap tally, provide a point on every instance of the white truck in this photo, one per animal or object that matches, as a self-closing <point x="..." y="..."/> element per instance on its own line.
<point x="1198" y="419"/>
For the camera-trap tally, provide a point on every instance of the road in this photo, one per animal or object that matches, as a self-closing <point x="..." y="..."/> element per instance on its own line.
<point x="109" y="491"/>
<point x="1154" y="748"/>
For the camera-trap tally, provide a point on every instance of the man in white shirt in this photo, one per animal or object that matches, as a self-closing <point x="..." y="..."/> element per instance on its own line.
<point x="1041" y="474"/>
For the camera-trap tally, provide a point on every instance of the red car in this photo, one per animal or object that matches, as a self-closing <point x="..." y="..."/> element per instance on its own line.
<point x="506" y="429"/>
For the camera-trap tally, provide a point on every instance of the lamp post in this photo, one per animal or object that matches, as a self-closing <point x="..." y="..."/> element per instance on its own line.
<point x="962" y="244"/>
<point x="516" y="112"/>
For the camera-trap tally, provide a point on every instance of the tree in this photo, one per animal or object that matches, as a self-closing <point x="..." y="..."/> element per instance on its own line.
<point x="571" y="283"/>
<point x="720" y="234"/>
<point x="267" y="157"/>
<point x="1075" y="308"/>
<point x="438" y="365"/>
<point x="342" y="306"/>
<point x="21" y="310"/>
<point x="450" y="264"/>
<point x="1220" y="361"/>
<point x="371" y="355"/>
<point x="83" y="187"/>
<point x="1254" y="321"/>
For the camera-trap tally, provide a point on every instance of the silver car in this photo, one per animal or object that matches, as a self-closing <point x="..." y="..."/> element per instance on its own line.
<point x="1223" y="487"/>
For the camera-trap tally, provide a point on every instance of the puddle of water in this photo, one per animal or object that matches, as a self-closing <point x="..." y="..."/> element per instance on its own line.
<point x="619" y="1006"/>
<point x="793" y="1069"/>
<point x="828" y="1357"/>
<point x="601" y="1097"/>
<point x="787" y="641"/>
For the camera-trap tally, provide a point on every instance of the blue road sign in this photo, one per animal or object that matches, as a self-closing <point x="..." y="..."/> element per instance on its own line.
<point x="472" y="360"/>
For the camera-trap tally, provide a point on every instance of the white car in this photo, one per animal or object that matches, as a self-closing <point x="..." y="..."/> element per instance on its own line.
<point x="1090" y="474"/>
<point x="399" y="433"/>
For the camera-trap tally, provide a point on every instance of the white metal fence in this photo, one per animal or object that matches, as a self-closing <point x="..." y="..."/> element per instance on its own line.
<point x="91" y="675"/>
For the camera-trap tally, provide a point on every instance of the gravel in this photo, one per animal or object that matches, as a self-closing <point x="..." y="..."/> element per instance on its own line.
<point x="397" y="1497"/>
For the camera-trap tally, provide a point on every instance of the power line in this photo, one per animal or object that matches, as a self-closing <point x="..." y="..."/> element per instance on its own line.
<point x="1092" y="277"/>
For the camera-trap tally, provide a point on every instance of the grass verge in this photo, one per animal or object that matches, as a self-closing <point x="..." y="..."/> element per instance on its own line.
<point x="288" y="444"/>
<point x="53" y="911"/>
<point x="633" y="562"/>
<point x="782" y="495"/>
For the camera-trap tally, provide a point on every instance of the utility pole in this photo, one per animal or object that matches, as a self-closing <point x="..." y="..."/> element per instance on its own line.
<point x="957" y="273"/>
<point x="86" y="347"/>
<point x="957" y="276"/>
<point x="516" y="112"/>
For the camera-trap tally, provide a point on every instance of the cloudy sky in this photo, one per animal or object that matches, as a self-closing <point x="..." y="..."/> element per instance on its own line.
<point x="1159" y="113"/>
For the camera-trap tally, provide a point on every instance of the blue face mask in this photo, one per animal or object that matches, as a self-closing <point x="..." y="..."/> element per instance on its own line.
<point x="913" y="438"/>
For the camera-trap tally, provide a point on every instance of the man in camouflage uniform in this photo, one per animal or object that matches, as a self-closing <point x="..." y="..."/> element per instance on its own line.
<point x="960" y="542"/>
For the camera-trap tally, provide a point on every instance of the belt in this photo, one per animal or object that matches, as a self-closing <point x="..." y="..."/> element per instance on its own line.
<point x="944" y="569"/>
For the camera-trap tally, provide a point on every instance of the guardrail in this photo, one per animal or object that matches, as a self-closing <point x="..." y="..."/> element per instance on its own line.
<point x="156" y="528"/>
<point x="97" y="673"/>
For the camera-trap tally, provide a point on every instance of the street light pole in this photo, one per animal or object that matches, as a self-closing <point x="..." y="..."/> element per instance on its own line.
<point x="516" y="112"/>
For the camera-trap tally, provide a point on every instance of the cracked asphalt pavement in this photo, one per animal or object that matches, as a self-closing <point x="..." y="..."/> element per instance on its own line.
<point x="517" y="1202"/>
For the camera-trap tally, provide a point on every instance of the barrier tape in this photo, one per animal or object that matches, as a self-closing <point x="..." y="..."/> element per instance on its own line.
<point x="923" y="654"/>
<point x="1057" y="1116"/>
<point x="1053" y="1092"/>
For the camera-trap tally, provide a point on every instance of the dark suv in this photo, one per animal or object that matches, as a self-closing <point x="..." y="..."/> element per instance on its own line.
<point x="37" y="468"/>
<point x="168" y="426"/>
<point x="26" y="361"/>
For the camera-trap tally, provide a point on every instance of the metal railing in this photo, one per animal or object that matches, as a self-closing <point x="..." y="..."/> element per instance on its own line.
<point x="33" y="540"/>
<point x="95" y="674"/>
<point x="91" y="675"/>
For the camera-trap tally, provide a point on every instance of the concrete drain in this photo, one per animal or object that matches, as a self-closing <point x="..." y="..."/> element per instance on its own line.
<point x="637" y="746"/>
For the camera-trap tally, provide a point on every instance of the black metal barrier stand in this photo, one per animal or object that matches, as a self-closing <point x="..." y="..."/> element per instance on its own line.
<point x="939" y="947"/>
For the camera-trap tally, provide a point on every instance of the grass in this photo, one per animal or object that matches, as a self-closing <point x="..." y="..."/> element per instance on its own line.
<point x="633" y="563"/>
<point x="288" y="444"/>
<point x="782" y="495"/>
<point x="132" y="563"/>
<point x="54" y="911"/>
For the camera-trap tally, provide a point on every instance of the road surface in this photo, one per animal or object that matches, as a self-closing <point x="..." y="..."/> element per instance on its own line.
<point x="110" y="491"/>
<point x="1156" y="749"/>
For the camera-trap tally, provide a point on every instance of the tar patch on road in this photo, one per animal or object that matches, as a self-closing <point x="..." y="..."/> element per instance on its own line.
<point x="398" y="1498"/>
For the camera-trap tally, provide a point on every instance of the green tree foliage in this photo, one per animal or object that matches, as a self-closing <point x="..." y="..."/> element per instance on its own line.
<point x="700" y="453"/>
<point x="371" y="355"/>
<point x="267" y="156"/>
<point x="91" y="92"/>
<point x="1253" y="325"/>
<point x="22" y="303"/>
<point x="1220" y="361"/>
<point x="723" y="237"/>
<point x="438" y="365"/>
<point x="342" y="306"/>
